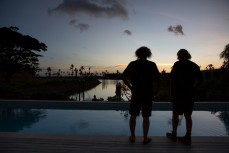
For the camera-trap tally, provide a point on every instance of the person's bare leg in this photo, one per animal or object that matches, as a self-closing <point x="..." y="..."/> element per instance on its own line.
<point x="175" y="121"/>
<point x="173" y="134"/>
<point x="188" y="119"/>
<point x="187" y="138"/>
<point x="132" y="125"/>
<point x="145" y="125"/>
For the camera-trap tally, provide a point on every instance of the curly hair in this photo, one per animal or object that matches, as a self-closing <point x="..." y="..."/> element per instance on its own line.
<point x="143" y="52"/>
<point x="183" y="54"/>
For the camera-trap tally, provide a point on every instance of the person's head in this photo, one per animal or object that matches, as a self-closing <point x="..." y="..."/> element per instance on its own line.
<point x="143" y="52"/>
<point x="183" y="54"/>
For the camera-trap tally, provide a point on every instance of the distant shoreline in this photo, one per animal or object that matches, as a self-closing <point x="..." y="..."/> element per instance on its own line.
<point x="46" y="88"/>
<point x="25" y="87"/>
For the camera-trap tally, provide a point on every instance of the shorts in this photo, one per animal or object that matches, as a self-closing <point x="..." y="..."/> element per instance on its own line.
<point x="183" y="108"/>
<point x="140" y="104"/>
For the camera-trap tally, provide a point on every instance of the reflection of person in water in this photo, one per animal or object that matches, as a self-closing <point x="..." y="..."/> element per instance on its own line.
<point x="94" y="99"/>
<point x="142" y="74"/>
<point x="186" y="76"/>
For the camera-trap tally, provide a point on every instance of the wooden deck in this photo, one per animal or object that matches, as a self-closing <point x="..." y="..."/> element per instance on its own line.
<point x="41" y="143"/>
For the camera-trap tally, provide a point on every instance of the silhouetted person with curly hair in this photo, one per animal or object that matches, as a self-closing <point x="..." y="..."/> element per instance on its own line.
<point x="142" y="77"/>
<point x="185" y="78"/>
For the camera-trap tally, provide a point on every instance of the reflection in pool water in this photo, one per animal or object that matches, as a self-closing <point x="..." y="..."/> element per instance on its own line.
<point x="104" y="90"/>
<point x="106" y="122"/>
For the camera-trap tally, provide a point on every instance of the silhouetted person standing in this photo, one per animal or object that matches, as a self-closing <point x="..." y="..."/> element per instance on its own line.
<point x="94" y="99"/>
<point x="140" y="76"/>
<point x="185" y="78"/>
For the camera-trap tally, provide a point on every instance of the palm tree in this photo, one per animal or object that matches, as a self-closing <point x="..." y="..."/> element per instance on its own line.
<point x="225" y="55"/>
<point x="76" y="72"/>
<point x="49" y="70"/>
<point x="89" y="70"/>
<point x="81" y="70"/>
<point x="59" y="72"/>
<point x="72" y="68"/>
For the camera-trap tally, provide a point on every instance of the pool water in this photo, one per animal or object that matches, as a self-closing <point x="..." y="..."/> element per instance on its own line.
<point x="106" y="122"/>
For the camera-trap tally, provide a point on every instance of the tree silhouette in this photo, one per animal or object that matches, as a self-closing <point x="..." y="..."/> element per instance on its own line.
<point x="81" y="70"/>
<point x="17" y="52"/>
<point x="59" y="72"/>
<point x="49" y="70"/>
<point x="163" y="71"/>
<point x="89" y="70"/>
<point x="225" y="56"/>
<point x="210" y="67"/>
<point x="72" y="69"/>
<point x="76" y="72"/>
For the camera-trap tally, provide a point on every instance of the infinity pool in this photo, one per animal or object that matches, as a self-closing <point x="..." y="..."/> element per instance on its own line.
<point x="106" y="122"/>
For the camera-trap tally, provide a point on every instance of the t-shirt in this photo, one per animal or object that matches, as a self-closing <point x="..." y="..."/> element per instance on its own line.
<point x="184" y="74"/>
<point x="141" y="74"/>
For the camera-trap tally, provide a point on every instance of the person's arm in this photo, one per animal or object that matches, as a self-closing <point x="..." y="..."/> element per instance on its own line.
<point x="172" y="83"/>
<point x="199" y="79"/>
<point x="126" y="82"/>
<point x="157" y="81"/>
<point x="157" y="85"/>
<point x="126" y="73"/>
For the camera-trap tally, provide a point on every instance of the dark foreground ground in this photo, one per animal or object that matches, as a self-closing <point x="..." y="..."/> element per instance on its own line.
<point x="45" y="143"/>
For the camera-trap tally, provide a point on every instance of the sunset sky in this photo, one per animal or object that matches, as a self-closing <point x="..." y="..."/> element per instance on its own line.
<point x="104" y="34"/>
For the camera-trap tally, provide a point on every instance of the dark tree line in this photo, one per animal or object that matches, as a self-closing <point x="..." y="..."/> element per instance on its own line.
<point x="225" y="56"/>
<point x="18" y="52"/>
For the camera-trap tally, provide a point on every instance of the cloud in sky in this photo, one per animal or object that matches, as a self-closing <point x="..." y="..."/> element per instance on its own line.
<point x="120" y="65"/>
<point x="178" y="29"/>
<point x="127" y="32"/>
<point x="94" y="8"/>
<point x="73" y="22"/>
<point x="81" y="26"/>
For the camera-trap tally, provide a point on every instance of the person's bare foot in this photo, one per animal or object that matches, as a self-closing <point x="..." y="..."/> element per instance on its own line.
<point x="148" y="140"/>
